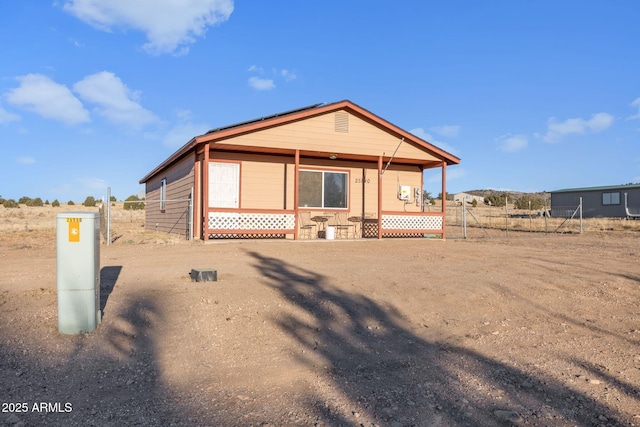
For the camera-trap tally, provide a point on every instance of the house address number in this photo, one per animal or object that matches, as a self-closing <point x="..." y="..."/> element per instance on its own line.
<point x="361" y="180"/>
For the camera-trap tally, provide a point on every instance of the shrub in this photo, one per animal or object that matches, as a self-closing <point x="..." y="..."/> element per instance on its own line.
<point x="24" y="200"/>
<point x="133" y="203"/>
<point x="10" y="203"/>
<point x="2" y="199"/>
<point x="113" y="199"/>
<point x="523" y="202"/>
<point x="89" y="201"/>
<point x="496" y="199"/>
<point x="35" y="202"/>
<point x="46" y="202"/>
<point x="55" y="203"/>
<point x="70" y="203"/>
<point x="474" y="203"/>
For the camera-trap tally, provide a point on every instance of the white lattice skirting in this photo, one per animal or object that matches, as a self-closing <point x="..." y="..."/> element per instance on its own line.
<point x="250" y="221"/>
<point x="411" y="222"/>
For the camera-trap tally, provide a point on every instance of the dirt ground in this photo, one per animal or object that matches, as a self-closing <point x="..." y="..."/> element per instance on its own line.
<point x="527" y="332"/>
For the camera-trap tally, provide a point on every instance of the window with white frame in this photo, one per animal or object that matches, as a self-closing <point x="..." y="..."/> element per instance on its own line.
<point x="163" y="193"/>
<point x="611" y="198"/>
<point x="323" y="189"/>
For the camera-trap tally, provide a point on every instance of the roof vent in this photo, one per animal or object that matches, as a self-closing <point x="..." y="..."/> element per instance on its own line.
<point x="342" y="121"/>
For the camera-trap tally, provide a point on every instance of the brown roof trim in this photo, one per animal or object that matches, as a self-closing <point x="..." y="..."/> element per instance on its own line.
<point x="296" y="115"/>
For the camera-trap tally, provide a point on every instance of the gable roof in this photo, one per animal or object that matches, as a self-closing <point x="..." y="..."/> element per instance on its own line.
<point x="299" y="114"/>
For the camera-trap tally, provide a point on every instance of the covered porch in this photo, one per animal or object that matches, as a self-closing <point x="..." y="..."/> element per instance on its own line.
<point x="362" y="216"/>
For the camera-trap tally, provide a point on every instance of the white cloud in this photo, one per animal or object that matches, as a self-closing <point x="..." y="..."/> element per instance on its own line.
<point x="448" y="131"/>
<point x="43" y="96"/>
<point x="597" y="123"/>
<point x="113" y="99"/>
<point x="184" y="131"/>
<point x="25" y="160"/>
<point x="261" y="84"/>
<point x="512" y="143"/>
<point x="288" y="75"/>
<point x="635" y="103"/>
<point x="421" y="133"/>
<point x="6" y="117"/>
<point x="435" y="176"/>
<point x="168" y="24"/>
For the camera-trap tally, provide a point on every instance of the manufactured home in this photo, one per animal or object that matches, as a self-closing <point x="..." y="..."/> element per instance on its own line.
<point x="326" y="170"/>
<point x="616" y="201"/>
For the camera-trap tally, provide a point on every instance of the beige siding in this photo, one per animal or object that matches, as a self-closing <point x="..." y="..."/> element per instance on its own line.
<point x="175" y="216"/>
<point x="315" y="133"/>
<point x="394" y="178"/>
<point x="262" y="179"/>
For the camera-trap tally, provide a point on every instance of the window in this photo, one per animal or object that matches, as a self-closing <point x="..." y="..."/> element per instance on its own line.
<point x="163" y="193"/>
<point x="611" y="198"/>
<point x="323" y="189"/>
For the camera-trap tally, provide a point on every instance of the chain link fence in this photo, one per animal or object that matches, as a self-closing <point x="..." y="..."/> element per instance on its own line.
<point x="465" y="221"/>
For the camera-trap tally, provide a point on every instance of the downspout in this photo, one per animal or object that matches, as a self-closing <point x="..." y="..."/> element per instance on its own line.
<point x="626" y="209"/>
<point x="195" y="209"/>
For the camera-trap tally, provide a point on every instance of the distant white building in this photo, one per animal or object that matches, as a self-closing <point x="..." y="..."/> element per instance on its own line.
<point x="459" y="197"/>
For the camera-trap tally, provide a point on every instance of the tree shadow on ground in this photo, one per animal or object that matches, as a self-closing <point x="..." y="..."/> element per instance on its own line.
<point x="389" y="375"/>
<point x="107" y="378"/>
<point x="108" y="278"/>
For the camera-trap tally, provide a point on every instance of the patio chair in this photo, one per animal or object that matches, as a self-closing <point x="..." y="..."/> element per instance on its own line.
<point x="342" y="225"/>
<point x="307" y="227"/>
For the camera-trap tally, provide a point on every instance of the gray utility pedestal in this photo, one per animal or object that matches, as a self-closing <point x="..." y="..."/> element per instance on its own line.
<point x="78" y="271"/>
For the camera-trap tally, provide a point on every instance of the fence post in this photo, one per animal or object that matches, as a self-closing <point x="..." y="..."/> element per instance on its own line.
<point x="506" y="215"/>
<point x="546" y="228"/>
<point x="191" y="215"/>
<point x="464" y="217"/>
<point x="580" y="215"/>
<point x="108" y="216"/>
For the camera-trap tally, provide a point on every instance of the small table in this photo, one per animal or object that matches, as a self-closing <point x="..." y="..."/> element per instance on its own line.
<point x="322" y="224"/>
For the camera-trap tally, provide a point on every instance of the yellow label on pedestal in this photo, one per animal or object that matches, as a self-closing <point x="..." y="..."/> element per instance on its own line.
<point x="74" y="229"/>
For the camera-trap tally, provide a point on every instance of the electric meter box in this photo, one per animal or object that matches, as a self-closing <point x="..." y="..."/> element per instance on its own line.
<point x="405" y="192"/>
<point x="78" y="271"/>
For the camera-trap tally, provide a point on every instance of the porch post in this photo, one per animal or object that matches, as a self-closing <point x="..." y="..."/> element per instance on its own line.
<point x="379" y="197"/>
<point x="444" y="200"/>
<point x="296" y="183"/>
<point x="205" y="192"/>
<point x="195" y="206"/>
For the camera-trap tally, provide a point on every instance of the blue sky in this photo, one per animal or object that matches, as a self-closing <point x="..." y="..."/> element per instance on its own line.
<point x="531" y="96"/>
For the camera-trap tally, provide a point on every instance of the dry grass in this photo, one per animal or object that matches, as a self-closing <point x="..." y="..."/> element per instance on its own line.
<point x="32" y="226"/>
<point x="495" y="221"/>
<point x="28" y="225"/>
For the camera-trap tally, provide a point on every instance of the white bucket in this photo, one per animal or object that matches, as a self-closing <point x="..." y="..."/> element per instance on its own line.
<point x="330" y="233"/>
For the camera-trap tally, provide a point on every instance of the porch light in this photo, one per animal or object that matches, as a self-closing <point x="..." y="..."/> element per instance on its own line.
<point x="333" y="156"/>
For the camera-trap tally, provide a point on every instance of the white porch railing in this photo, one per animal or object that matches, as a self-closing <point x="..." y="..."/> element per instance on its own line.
<point x="251" y="221"/>
<point x="417" y="222"/>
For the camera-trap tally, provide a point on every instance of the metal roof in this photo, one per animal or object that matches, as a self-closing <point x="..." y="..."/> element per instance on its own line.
<point x="603" y="188"/>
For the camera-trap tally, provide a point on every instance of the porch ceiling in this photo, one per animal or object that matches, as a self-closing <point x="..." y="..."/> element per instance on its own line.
<point x="426" y="164"/>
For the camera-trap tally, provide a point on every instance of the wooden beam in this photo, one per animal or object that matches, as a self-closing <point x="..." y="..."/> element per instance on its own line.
<point x="444" y="200"/>
<point x="205" y="192"/>
<point x="296" y="184"/>
<point x="379" y="197"/>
